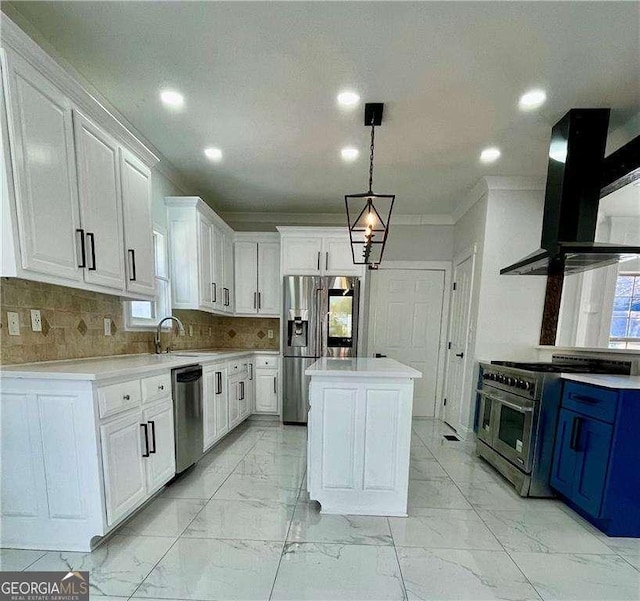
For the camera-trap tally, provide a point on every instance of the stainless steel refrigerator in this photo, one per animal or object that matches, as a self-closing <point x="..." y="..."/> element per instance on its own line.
<point x="320" y="319"/>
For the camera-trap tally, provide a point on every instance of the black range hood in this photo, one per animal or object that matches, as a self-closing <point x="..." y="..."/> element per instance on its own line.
<point x="572" y="196"/>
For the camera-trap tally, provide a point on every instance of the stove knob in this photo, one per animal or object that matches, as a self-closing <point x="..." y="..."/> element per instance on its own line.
<point x="511" y="381"/>
<point x="486" y="376"/>
<point x="501" y="379"/>
<point x="527" y="385"/>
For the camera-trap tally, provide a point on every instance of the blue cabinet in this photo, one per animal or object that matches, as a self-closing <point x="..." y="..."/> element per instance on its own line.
<point x="596" y="457"/>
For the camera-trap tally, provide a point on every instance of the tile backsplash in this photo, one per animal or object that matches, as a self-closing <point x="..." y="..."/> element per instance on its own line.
<point x="73" y="326"/>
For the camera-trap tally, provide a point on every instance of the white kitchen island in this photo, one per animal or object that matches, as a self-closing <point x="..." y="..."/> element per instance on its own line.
<point x="360" y="435"/>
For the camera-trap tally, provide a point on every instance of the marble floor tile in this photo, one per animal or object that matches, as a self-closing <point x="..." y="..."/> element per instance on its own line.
<point x="629" y="548"/>
<point x="435" y="493"/>
<point x="499" y="494"/>
<point x="426" y="469"/>
<point x="580" y="577"/>
<point x="442" y="528"/>
<point x="198" y="483"/>
<point x="297" y="449"/>
<point x="250" y="520"/>
<point x="283" y="489"/>
<point x="163" y="517"/>
<point x="270" y="464"/>
<point x="548" y="531"/>
<point x="16" y="560"/>
<point x="116" y="567"/>
<point x="462" y="575"/>
<point x="310" y="526"/>
<point x="220" y="460"/>
<point x="220" y="570"/>
<point x="322" y="572"/>
<point x="293" y="434"/>
<point x="419" y="452"/>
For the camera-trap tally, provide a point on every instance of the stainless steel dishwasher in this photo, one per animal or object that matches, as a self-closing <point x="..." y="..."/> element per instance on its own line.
<point x="186" y="385"/>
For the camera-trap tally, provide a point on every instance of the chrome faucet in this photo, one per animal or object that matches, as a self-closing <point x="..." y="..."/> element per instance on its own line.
<point x="156" y="340"/>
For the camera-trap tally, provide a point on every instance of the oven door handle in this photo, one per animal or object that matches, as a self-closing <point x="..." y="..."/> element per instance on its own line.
<point x="507" y="403"/>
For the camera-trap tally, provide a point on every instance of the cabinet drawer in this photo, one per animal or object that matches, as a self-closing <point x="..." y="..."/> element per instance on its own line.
<point x="240" y="366"/>
<point x="118" y="397"/>
<point x="267" y="361"/>
<point x="600" y="403"/>
<point x="156" y="387"/>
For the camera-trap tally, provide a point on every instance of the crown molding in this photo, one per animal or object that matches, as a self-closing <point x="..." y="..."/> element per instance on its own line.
<point x="480" y="190"/>
<point x="515" y="182"/>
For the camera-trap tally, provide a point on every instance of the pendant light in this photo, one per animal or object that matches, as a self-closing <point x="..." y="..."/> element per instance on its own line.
<point x="368" y="214"/>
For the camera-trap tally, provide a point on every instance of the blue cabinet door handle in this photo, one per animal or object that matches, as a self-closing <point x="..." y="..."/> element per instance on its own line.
<point x="575" y="433"/>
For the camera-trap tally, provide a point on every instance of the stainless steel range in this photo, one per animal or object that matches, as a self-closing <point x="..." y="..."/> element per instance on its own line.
<point x="519" y="405"/>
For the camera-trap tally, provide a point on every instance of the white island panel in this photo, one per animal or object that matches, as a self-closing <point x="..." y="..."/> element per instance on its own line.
<point x="360" y="435"/>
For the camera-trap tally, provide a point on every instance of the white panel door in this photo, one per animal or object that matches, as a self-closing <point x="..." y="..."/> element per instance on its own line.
<point x="138" y="227"/>
<point x="42" y="151"/>
<point x="205" y="269"/>
<point x="100" y="203"/>
<point x="406" y="325"/>
<point x="221" y="403"/>
<point x="458" y="359"/>
<point x="246" y="277"/>
<point x="301" y="256"/>
<point x="269" y="284"/>
<point x="161" y="463"/>
<point x="266" y="391"/>
<point x="217" y="267"/>
<point x="337" y="258"/>
<point x="122" y="461"/>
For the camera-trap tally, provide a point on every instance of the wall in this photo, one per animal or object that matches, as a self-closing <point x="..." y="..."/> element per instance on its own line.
<point x="73" y="326"/>
<point x="419" y="243"/>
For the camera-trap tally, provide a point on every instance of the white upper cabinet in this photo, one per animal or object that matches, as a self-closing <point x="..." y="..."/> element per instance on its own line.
<point x="257" y="274"/>
<point x="44" y="171"/>
<point x="228" y="289"/>
<point x="197" y="254"/>
<point x="317" y="251"/>
<point x="75" y="193"/>
<point x="100" y="203"/>
<point x="138" y="226"/>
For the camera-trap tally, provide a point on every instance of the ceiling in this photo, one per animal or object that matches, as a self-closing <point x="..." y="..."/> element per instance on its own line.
<point x="260" y="82"/>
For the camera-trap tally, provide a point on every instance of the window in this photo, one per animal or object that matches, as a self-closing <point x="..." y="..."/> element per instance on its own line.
<point x="625" y="321"/>
<point x="144" y="315"/>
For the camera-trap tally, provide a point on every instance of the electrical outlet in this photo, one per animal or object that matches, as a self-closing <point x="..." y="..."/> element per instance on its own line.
<point x="36" y="320"/>
<point x="269" y="333"/>
<point x="190" y="330"/>
<point x="13" y="320"/>
<point x="107" y="326"/>
<point x="209" y="330"/>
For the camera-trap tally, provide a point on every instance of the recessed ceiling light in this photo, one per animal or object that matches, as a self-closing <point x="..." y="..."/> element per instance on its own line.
<point x="172" y="98"/>
<point x="348" y="98"/>
<point x="213" y="154"/>
<point x="532" y="99"/>
<point x="489" y="155"/>
<point x="349" y="153"/>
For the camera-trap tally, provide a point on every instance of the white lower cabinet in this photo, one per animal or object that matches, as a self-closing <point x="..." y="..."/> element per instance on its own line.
<point x="216" y="404"/>
<point x="161" y="464"/>
<point x="266" y="390"/>
<point x="123" y="464"/>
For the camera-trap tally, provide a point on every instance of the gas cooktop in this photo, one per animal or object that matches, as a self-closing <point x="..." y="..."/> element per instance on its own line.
<point x="574" y="367"/>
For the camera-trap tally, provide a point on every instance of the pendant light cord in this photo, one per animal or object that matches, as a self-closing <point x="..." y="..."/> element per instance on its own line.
<point x="373" y="128"/>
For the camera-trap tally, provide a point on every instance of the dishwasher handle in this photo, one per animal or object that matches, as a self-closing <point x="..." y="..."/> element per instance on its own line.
<point x="188" y="374"/>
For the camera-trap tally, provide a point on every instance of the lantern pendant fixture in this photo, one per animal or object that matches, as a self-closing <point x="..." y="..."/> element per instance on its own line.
<point x="368" y="214"/>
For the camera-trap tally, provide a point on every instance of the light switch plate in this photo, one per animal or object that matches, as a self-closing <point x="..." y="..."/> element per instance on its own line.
<point x="13" y="321"/>
<point x="107" y="326"/>
<point x="36" y="320"/>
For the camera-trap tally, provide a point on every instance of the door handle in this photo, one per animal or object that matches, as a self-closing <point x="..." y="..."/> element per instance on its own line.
<point x="92" y="239"/>
<point x="461" y="355"/>
<point x="326" y="261"/>
<point x="83" y="250"/>
<point x="380" y="356"/>
<point x="132" y="265"/>
<point x="318" y="260"/>
<point x="146" y="440"/>
<point x="153" y="435"/>
<point x="575" y="433"/>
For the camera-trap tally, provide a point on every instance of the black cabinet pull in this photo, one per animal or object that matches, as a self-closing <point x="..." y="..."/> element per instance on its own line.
<point x="218" y="382"/>
<point x="92" y="240"/>
<point x="575" y="433"/>
<point x="225" y="296"/>
<point x="153" y="435"/>
<point x="326" y="261"/>
<point x="584" y="399"/>
<point x="318" y="260"/>
<point x="214" y="289"/>
<point x="242" y="391"/>
<point x="259" y="301"/>
<point x="275" y="384"/>
<point x="132" y="255"/>
<point x="255" y="302"/>
<point x="83" y="250"/>
<point x="250" y="371"/>
<point x="461" y="355"/>
<point x="126" y="397"/>
<point x="146" y="440"/>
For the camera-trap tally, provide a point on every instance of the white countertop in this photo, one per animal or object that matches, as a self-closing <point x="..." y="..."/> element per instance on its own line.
<point x="99" y="368"/>
<point x="361" y="366"/>
<point x="607" y="381"/>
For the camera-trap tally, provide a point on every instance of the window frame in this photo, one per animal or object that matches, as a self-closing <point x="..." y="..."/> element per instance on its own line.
<point x="162" y="286"/>
<point x="625" y="340"/>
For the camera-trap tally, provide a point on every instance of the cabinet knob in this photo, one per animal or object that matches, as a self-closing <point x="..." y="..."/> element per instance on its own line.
<point x="161" y="387"/>
<point x="126" y="397"/>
